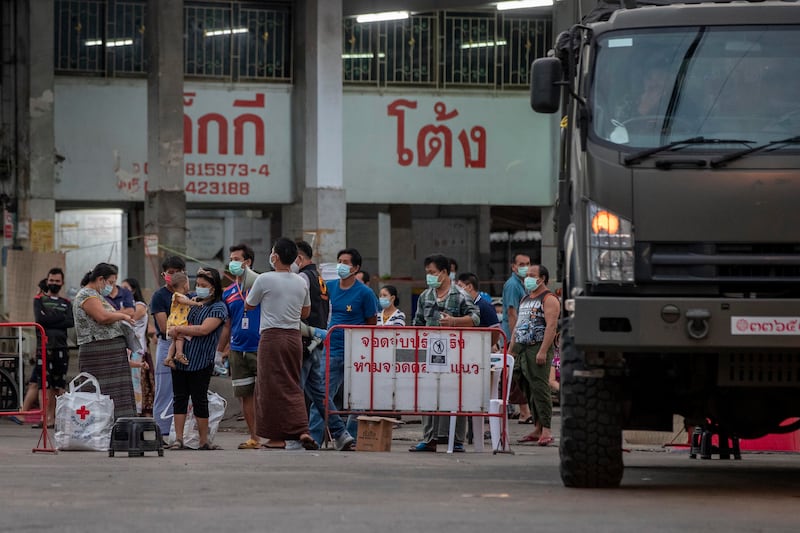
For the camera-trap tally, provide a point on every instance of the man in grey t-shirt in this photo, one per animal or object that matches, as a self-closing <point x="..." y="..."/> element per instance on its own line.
<point x="281" y="415"/>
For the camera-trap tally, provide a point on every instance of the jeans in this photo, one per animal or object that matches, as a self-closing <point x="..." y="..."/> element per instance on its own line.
<point x="162" y="400"/>
<point x="313" y="382"/>
<point x="316" y="423"/>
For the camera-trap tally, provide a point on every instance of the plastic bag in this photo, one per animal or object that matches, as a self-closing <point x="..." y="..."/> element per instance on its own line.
<point x="191" y="438"/>
<point x="84" y="419"/>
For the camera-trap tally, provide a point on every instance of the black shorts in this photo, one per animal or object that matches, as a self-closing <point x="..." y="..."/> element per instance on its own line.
<point x="57" y="368"/>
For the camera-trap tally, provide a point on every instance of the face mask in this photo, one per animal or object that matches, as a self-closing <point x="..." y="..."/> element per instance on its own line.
<point x="343" y="270"/>
<point x="452" y="276"/>
<point x="531" y="284"/>
<point x="168" y="278"/>
<point x="522" y="271"/>
<point x="433" y="281"/>
<point x="385" y="302"/>
<point x="202" y="292"/>
<point x="271" y="262"/>
<point x="54" y="288"/>
<point x="107" y="289"/>
<point x="236" y="268"/>
<point x="500" y="317"/>
<point x="294" y="267"/>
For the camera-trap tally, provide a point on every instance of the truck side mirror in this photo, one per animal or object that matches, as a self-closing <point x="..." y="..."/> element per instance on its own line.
<point x="545" y="85"/>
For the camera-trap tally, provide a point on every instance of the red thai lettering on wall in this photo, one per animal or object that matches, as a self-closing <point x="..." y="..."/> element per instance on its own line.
<point x="222" y="127"/>
<point x="436" y="139"/>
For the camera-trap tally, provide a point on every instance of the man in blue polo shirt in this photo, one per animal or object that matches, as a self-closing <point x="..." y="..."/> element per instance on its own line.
<point x="352" y="304"/>
<point x="241" y="330"/>
<point x="472" y="286"/>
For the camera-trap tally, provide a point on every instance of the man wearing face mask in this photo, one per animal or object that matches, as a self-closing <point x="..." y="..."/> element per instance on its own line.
<point x="354" y="304"/>
<point x="513" y="292"/>
<point x="54" y="313"/>
<point x="532" y="345"/>
<point x="159" y="307"/>
<point x="443" y="304"/>
<point x="241" y="331"/>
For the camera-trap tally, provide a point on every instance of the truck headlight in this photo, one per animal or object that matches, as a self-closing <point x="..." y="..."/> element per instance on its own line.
<point x="610" y="246"/>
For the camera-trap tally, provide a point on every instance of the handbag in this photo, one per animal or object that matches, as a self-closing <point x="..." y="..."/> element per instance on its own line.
<point x="84" y="419"/>
<point x="131" y="340"/>
<point x="191" y="438"/>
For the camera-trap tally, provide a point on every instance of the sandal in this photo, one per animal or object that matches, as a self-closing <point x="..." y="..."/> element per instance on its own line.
<point x="308" y="442"/>
<point x="546" y="441"/>
<point x="181" y="358"/>
<point x="177" y="445"/>
<point x="528" y="420"/>
<point x="250" y="444"/>
<point x="529" y="438"/>
<point x="170" y="363"/>
<point x="208" y="446"/>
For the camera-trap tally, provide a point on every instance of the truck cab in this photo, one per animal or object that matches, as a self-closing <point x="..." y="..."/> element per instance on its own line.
<point x="678" y="223"/>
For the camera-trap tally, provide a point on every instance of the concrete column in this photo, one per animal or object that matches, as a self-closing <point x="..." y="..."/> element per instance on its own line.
<point x="384" y="244"/>
<point x="549" y="245"/>
<point x="36" y="140"/>
<point x="317" y="112"/>
<point x="484" y="246"/>
<point x="165" y="205"/>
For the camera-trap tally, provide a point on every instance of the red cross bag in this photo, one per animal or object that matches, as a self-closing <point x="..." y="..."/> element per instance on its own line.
<point x="84" y="419"/>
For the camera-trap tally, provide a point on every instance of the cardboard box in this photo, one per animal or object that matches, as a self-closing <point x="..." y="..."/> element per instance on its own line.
<point x="375" y="434"/>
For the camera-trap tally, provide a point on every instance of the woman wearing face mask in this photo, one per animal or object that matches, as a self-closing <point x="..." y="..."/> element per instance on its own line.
<point x="205" y="324"/>
<point x="390" y="315"/>
<point x="102" y="350"/>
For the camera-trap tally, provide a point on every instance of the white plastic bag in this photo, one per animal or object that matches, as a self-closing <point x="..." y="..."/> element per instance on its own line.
<point x="84" y="419"/>
<point x="191" y="438"/>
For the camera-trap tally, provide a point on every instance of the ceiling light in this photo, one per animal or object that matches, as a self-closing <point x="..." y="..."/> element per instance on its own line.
<point x="379" y="17"/>
<point x="95" y="42"/>
<point x="120" y="42"/>
<point x="484" y="44"/>
<point x="522" y="4"/>
<point x="364" y="55"/>
<point x="214" y="33"/>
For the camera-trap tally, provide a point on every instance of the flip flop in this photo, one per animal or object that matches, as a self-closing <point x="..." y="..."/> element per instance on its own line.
<point x="528" y="438"/>
<point x="208" y="446"/>
<point x="268" y="447"/>
<point x="177" y="445"/>
<point x="249" y="444"/>
<point x="308" y="443"/>
<point x="547" y="441"/>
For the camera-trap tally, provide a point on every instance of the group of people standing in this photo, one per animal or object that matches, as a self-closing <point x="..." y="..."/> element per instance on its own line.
<point x="270" y="328"/>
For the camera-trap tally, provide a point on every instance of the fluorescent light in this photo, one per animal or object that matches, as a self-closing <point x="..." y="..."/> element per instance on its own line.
<point x="366" y="55"/>
<point x="120" y="42"/>
<point x="379" y="17"/>
<point x="96" y="42"/>
<point x="522" y="4"/>
<point x="229" y="31"/>
<point x="485" y="44"/>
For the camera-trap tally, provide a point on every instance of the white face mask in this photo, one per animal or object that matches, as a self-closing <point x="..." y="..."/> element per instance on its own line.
<point x="294" y="267"/>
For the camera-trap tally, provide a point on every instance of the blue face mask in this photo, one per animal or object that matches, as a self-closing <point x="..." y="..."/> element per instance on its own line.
<point x="107" y="289"/>
<point x="385" y="302"/>
<point x="531" y="284"/>
<point x="202" y="292"/>
<point x="343" y="270"/>
<point x="236" y="268"/>
<point x="433" y="281"/>
<point x="522" y="271"/>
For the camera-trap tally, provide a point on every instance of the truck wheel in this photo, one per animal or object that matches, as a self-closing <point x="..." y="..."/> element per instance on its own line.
<point x="591" y="427"/>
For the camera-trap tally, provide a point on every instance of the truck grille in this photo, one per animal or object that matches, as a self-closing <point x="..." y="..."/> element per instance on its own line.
<point x="718" y="263"/>
<point x="774" y="369"/>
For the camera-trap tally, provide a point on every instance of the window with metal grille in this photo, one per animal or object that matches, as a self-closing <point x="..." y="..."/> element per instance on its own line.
<point x="222" y="40"/>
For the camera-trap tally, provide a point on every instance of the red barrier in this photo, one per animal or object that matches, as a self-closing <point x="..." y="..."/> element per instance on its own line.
<point x="419" y="369"/>
<point x="44" y="438"/>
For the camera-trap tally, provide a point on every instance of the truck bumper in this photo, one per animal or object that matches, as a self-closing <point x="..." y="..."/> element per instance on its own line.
<point x="686" y="324"/>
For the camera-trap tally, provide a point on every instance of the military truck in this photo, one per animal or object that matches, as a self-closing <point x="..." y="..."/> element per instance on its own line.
<point x="679" y="223"/>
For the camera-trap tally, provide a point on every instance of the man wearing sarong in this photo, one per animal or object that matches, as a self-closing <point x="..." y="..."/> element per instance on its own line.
<point x="281" y="415"/>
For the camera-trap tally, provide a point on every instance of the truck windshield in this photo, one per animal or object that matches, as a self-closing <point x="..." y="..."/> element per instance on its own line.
<point x="656" y="86"/>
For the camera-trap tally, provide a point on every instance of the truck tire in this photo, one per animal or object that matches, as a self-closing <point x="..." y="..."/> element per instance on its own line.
<point x="591" y="424"/>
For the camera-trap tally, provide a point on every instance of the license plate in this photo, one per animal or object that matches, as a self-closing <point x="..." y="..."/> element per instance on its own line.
<point x="765" y="325"/>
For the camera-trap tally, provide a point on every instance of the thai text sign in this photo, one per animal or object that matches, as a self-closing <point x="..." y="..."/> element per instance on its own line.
<point x="417" y="369"/>
<point x="236" y="143"/>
